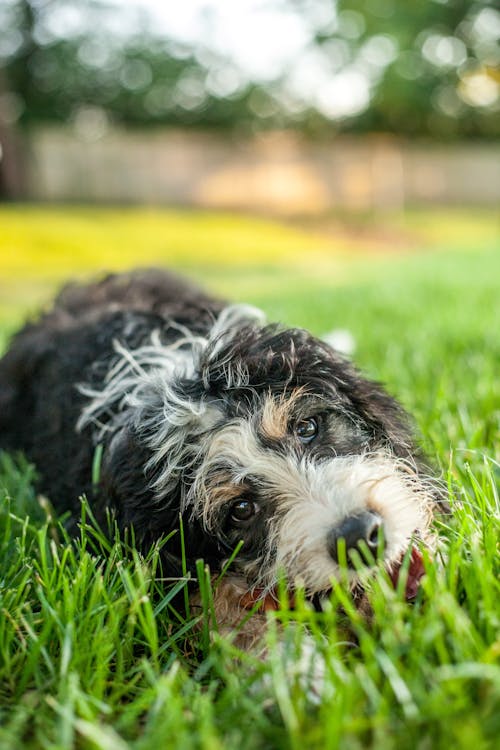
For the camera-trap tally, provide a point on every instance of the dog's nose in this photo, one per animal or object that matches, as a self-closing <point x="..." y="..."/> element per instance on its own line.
<point x="357" y="531"/>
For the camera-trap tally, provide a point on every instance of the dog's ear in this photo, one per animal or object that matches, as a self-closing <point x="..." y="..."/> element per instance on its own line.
<point x="123" y="483"/>
<point x="126" y="488"/>
<point x="385" y="415"/>
<point x="129" y="486"/>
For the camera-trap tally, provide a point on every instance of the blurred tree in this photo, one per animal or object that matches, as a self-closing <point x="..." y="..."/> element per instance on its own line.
<point x="438" y="65"/>
<point x="416" y="68"/>
<point x="11" y="153"/>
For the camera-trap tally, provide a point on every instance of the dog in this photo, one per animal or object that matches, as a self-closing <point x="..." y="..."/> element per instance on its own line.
<point x="245" y="433"/>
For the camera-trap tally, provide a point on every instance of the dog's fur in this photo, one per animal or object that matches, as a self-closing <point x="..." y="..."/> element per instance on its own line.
<point x="205" y="413"/>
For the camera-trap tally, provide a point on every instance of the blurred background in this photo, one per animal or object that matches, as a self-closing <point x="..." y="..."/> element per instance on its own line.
<point x="336" y="162"/>
<point x="284" y="106"/>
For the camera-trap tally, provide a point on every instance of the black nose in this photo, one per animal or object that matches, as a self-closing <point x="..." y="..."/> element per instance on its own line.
<point x="357" y="531"/>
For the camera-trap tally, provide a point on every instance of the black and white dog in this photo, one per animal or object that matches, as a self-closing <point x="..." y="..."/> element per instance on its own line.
<point x="245" y="431"/>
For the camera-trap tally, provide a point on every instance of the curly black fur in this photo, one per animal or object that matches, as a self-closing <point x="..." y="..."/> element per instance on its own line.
<point x="54" y="365"/>
<point x="73" y="343"/>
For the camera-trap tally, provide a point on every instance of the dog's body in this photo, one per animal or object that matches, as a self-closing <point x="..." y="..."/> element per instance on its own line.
<point x="245" y="431"/>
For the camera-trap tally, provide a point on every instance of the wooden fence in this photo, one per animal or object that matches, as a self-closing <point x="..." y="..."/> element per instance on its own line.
<point x="277" y="172"/>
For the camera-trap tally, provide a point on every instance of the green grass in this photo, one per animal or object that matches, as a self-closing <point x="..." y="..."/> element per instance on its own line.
<point x="93" y="650"/>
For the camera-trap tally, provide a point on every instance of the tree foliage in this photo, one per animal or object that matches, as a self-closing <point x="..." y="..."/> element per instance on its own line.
<point x="425" y="68"/>
<point x="444" y="75"/>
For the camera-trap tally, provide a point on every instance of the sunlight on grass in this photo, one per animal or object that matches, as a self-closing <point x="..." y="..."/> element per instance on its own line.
<point x="237" y="256"/>
<point x="60" y="241"/>
<point x="42" y="247"/>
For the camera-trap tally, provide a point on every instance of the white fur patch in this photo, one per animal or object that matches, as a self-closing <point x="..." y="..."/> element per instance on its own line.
<point x="140" y="390"/>
<point x="321" y="496"/>
<point x="312" y="498"/>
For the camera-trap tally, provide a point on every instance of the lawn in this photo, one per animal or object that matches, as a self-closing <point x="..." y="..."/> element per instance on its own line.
<point x="92" y="652"/>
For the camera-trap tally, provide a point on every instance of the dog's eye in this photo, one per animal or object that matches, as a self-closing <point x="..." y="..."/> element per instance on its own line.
<point x="307" y="429"/>
<point x="243" y="510"/>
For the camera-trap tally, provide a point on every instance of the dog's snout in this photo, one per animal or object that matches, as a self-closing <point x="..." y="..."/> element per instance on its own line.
<point x="361" y="532"/>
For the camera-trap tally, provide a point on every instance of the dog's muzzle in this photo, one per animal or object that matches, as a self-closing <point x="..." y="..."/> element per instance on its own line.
<point x="362" y="533"/>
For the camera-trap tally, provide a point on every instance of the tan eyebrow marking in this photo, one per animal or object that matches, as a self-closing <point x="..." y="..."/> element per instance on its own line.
<point x="219" y="490"/>
<point x="276" y="414"/>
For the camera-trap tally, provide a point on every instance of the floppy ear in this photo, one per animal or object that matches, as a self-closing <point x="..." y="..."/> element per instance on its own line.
<point x="125" y="487"/>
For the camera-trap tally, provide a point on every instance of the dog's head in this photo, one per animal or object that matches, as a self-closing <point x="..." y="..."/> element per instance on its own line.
<point x="264" y="436"/>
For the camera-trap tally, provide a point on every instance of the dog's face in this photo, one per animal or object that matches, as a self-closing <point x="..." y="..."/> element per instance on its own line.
<point x="266" y="437"/>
